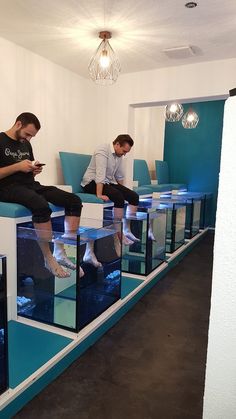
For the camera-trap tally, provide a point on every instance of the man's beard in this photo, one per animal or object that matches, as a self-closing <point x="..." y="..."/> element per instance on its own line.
<point x="18" y="135"/>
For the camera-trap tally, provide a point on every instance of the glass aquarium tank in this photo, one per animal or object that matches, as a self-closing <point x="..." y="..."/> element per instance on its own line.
<point x="206" y="210"/>
<point x="193" y="203"/>
<point x="206" y="205"/>
<point x="193" y="213"/>
<point x="145" y="254"/>
<point x="92" y="262"/>
<point x="3" y="327"/>
<point x="175" y="222"/>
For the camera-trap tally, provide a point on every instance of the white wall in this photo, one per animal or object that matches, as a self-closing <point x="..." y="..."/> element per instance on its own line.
<point x="149" y="127"/>
<point x="220" y="386"/>
<point x="63" y="102"/>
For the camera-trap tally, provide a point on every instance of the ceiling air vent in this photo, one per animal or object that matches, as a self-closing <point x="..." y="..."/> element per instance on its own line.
<point x="179" y="52"/>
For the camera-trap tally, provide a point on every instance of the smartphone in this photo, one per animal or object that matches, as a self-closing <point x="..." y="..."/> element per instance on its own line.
<point x="40" y="164"/>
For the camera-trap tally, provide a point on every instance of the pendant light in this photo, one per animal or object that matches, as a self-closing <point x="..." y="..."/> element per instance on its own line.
<point x="104" y="67"/>
<point x="173" y="112"/>
<point x="190" y="119"/>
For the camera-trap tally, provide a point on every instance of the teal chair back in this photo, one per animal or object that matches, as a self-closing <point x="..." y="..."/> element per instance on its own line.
<point x="74" y="166"/>
<point x="141" y="172"/>
<point x="162" y="171"/>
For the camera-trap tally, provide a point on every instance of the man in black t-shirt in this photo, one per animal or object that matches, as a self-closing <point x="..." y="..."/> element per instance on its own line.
<point x="17" y="185"/>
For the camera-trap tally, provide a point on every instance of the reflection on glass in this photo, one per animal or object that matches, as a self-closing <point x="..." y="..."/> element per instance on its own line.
<point x="206" y="210"/>
<point x="196" y="217"/>
<point x="193" y="209"/>
<point x="149" y="227"/>
<point x="180" y="225"/>
<point x="175" y="219"/>
<point x="192" y="201"/>
<point x="175" y="231"/>
<point x="3" y="327"/>
<point x="206" y="205"/>
<point x="75" y="301"/>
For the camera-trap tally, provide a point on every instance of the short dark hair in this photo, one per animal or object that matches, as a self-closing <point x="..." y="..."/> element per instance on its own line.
<point x="27" y="118"/>
<point x="124" y="138"/>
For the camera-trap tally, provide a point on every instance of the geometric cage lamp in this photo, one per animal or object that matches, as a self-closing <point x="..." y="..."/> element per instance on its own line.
<point x="190" y="119"/>
<point x="104" y="66"/>
<point x="175" y="111"/>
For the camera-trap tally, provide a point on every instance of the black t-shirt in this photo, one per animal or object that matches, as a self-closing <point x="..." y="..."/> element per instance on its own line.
<point x="12" y="151"/>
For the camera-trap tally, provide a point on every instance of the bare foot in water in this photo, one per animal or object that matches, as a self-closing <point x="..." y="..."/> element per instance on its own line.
<point x="61" y="257"/>
<point x="55" y="268"/>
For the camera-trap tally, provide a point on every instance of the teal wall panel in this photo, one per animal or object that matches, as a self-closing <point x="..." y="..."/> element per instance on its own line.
<point x="193" y="155"/>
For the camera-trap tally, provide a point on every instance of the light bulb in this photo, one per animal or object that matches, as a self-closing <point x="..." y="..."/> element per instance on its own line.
<point x="104" y="59"/>
<point x="173" y="107"/>
<point x="190" y="117"/>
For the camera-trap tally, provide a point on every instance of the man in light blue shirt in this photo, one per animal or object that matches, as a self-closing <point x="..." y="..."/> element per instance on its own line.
<point x="104" y="177"/>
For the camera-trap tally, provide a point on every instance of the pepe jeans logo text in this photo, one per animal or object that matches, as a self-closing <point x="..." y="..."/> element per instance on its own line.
<point x="16" y="154"/>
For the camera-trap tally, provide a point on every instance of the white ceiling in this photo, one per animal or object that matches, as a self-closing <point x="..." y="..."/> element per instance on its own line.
<point x="66" y="31"/>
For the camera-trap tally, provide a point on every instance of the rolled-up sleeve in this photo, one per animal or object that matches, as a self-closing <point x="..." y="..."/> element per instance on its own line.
<point x="101" y="167"/>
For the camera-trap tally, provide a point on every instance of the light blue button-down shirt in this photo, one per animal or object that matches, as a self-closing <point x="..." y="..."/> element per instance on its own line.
<point x="104" y="167"/>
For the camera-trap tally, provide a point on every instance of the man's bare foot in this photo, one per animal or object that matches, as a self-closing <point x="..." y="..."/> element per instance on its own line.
<point x="151" y="235"/>
<point x="61" y="257"/>
<point x="90" y="257"/>
<point x="129" y="235"/>
<point x="117" y="245"/>
<point x="53" y="266"/>
<point x="126" y="241"/>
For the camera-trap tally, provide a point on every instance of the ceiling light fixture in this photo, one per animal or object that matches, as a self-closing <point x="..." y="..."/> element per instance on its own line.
<point x="190" y="119"/>
<point x="191" y="4"/>
<point x="173" y="112"/>
<point x="104" y="67"/>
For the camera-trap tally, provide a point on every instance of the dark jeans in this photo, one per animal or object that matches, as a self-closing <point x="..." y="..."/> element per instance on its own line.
<point x="35" y="197"/>
<point x="116" y="193"/>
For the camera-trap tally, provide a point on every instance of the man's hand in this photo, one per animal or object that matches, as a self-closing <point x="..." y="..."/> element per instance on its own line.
<point x="25" y="166"/>
<point x="36" y="169"/>
<point x="103" y="197"/>
<point x="99" y="193"/>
